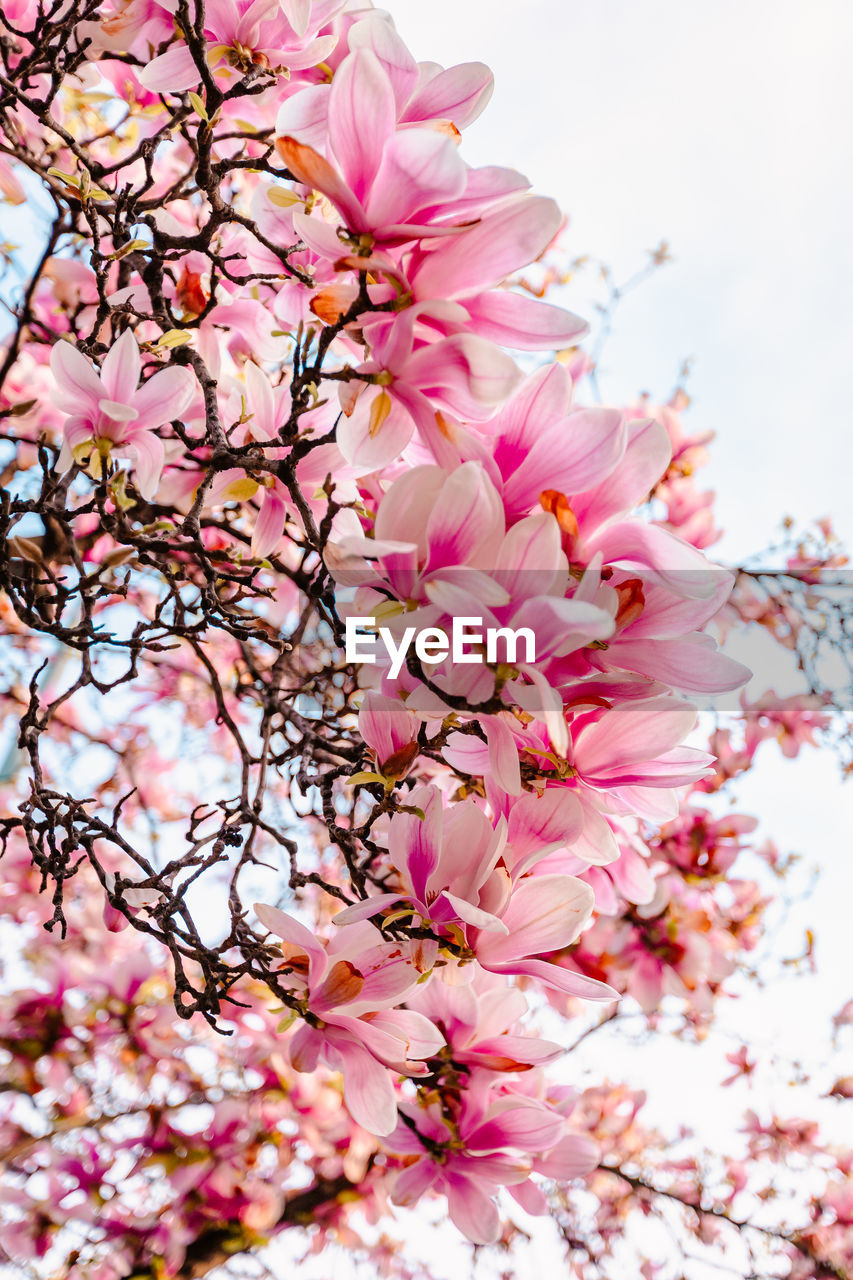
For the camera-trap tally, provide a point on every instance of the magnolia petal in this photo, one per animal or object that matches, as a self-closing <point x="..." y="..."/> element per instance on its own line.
<point x="368" y="1091"/>
<point x="458" y="94"/>
<point x="523" y="323"/>
<point x="362" y="117"/>
<point x="172" y="72"/>
<point x="269" y="525"/>
<point x="150" y="455"/>
<point x="78" y="387"/>
<point x="574" y="1155"/>
<point x="471" y="1210"/>
<point x="164" y="396"/>
<point x="473" y="915"/>
<point x="414" y="1180"/>
<point x="120" y="369"/>
<point x="309" y="167"/>
<point x="545" y="913"/>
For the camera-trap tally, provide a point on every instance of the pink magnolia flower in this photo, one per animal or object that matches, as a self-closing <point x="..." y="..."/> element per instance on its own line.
<point x="243" y="33"/>
<point x="408" y="384"/>
<point x="424" y="93"/>
<point x="452" y="875"/>
<point x="350" y="988"/>
<point x="265" y="409"/>
<point x="481" y="1024"/>
<point x="111" y="415"/>
<point x="496" y="1141"/>
<point x="390" y="183"/>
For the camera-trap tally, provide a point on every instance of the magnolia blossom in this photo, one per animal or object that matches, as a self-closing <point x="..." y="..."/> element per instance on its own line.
<point x="350" y="988"/>
<point x="111" y="415"/>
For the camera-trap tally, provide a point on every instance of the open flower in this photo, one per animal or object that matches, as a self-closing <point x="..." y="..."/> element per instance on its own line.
<point x="111" y="415"/>
<point x="350" y="987"/>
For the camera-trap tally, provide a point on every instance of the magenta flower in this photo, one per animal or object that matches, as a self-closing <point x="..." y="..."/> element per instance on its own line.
<point x="351" y="987"/>
<point x="454" y="878"/>
<point x="391" y="732"/>
<point x="495" y="1141"/>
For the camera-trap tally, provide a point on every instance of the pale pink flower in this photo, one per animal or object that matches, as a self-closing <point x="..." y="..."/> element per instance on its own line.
<point x="111" y="415"/>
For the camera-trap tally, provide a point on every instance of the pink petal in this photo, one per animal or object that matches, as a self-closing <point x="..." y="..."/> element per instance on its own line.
<point x="150" y="456"/>
<point x="385" y="724"/>
<point x="577" y="451"/>
<point x="414" y="1181"/>
<point x="164" y="396"/>
<point x="419" y="1038"/>
<point x="298" y="14"/>
<point x="261" y="401"/>
<point x="309" y="168"/>
<point x="291" y="930"/>
<point x="465" y="374"/>
<point x="646" y="458"/>
<point x="415" y="843"/>
<point x="630" y="734"/>
<point x="366" y="909"/>
<point x="368" y="1092"/>
<point x="78" y="387"/>
<point x="562" y="626"/>
<point x="467" y="753"/>
<point x="538" y="824"/>
<point x="304" y="116"/>
<point x="531" y="1197"/>
<point x="503" y="755"/>
<point x="404" y="510"/>
<point x="472" y="915"/>
<point x="378" y="35"/>
<point x="673" y="562"/>
<point x="466" y="515"/>
<point x="362" y="117"/>
<point x="120" y="369"/>
<point x="458" y="94"/>
<point x="371" y="452"/>
<point x="472" y="1210"/>
<point x="523" y="323"/>
<point x="531" y="556"/>
<point x="545" y="913"/>
<point x="572" y="1157"/>
<point x="689" y="664"/>
<point x="529" y="1127"/>
<point x="304" y="1048"/>
<point x="569" y="981"/>
<point x="470" y="850"/>
<point x="541" y="400"/>
<point x="498" y="245"/>
<point x="269" y="525"/>
<point x="419" y="167"/>
<point x="172" y="72"/>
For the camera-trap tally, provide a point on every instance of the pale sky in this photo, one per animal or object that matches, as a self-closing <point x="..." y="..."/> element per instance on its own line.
<point x="725" y="129"/>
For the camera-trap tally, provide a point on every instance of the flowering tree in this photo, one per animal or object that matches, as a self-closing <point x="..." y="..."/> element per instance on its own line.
<point x="274" y="375"/>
